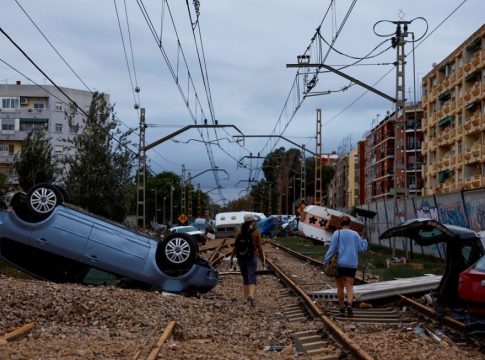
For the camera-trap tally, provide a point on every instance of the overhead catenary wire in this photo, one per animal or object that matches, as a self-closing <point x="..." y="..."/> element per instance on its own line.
<point x="190" y="84"/>
<point x="135" y="100"/>
<point x="411" y="52"/>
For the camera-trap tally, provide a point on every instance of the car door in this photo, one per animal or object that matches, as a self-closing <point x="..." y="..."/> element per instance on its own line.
<point x="423" y="231"/>
<point x="64" y="233"/>
<point x="116" y="249"/>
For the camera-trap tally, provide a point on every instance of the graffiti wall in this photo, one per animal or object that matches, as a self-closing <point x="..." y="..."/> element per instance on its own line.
<point x="475" y="209"/>
<point x="451" y="209"/>
<point x="465" y="209"/>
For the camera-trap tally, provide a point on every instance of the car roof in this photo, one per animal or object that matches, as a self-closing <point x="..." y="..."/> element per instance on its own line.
<point x="428" y="232"/>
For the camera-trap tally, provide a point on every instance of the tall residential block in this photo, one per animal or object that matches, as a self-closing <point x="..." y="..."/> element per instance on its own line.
<point x="454" y="123"/>
<point x="26" y="108"/>
<point x="378" y="151"/>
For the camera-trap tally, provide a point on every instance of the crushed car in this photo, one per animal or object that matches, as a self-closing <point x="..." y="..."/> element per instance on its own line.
<point x="463" y="248"/>
<point x="50" y="239"/>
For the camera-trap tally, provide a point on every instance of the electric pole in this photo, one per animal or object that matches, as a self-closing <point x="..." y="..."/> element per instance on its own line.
<point x="303" y="176"/>
<point x="400" y="186"/>
<point x="318" y="160"/>
<point x="141" y="173"/>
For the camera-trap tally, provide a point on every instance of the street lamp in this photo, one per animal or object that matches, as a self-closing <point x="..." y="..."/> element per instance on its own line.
<point x="164" y="198"/>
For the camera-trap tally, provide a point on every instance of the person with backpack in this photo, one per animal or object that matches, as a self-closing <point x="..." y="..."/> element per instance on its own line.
<point x="347" y="243"/>
<point x="247" y="248"/>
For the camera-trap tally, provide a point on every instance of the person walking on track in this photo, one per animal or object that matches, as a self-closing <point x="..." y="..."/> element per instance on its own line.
<point x="347" y="243"/>
<point x="247" y="248"/>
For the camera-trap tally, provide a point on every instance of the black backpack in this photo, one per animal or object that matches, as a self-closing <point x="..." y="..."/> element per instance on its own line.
<point x="244" y="245"/>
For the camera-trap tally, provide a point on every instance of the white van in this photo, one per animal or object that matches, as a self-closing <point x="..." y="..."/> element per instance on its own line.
<point x="228" y="223"/>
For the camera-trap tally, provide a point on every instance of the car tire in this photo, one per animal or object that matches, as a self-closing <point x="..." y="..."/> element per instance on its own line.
<point x="176" y="251"/>
<point x="65" y="195"/>
<point x="42" y="199"/>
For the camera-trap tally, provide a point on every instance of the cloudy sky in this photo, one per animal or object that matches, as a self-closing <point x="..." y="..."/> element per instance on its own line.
<point x="246" y="45"/>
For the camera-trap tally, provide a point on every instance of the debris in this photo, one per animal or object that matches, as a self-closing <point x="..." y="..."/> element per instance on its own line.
<point x="364" y="305"/>
<point x="276" y="348"/>
<point x="401" y="260"/>
<point x="418" y="330"/>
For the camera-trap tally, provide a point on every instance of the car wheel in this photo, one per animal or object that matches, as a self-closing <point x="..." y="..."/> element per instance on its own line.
<point x="65" y="195"/>
<point x="42" y="199"/>
<point x="176" y="251"/>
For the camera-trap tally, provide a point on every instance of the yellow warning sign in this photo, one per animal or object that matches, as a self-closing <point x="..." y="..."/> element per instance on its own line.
<point x="182" y="218"/>
<point x="300" y="208"/>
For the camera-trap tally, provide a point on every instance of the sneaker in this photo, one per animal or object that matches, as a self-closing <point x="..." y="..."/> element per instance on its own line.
<point x="349" y="311"/>
<point x="252" y="302"/>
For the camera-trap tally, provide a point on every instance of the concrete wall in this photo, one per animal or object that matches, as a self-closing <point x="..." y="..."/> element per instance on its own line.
<point x="463" y="208"/>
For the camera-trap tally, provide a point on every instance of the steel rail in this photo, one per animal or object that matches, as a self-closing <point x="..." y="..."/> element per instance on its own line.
<point x="425" y="310"/>
<point x="339" y="335"/>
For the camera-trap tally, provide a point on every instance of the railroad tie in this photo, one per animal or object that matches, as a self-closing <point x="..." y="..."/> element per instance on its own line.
<point x="310" y="342"/>
<point x="295" y="313"/>
<point x="385" y="316"/>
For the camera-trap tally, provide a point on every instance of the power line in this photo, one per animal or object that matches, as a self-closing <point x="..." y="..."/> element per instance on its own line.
<point x="388" y="72"/>
<point x="52" y="46"/>
<point x="60" y="89"/>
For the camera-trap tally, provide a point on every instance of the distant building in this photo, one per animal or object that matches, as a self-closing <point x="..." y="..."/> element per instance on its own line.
<point x="24" y="108"/>
<point x="343" y="190"/>
<point x="378" y="151"/>
<point x="454" y="124"/>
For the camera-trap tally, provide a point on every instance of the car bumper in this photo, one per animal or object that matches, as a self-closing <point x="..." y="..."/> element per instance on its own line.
<point x="200" y="278"/>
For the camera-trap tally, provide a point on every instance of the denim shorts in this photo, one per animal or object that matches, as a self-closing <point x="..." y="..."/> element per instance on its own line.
<point x="248" y="268"/>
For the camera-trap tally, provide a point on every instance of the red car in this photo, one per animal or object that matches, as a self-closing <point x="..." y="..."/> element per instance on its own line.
<point x="471" y="287"/>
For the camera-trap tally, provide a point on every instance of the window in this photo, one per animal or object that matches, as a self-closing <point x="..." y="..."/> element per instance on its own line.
<point x="58" y="127"/>
<point x="38" y="105"/>
<point x="10" y="103"/>
<point x="59" y="106"/>
<point x="8" y="124"/>
<point x="3" y="148"/>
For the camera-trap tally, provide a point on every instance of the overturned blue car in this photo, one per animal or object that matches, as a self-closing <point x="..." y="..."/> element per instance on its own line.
<point x="50" y="239"/>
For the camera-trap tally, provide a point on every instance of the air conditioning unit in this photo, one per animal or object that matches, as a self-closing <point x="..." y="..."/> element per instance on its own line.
<point x="24" y="101"/>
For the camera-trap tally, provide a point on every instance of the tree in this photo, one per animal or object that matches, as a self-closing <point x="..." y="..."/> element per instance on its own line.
<point x="100" y="171"/>
<point x="33" y="163"/>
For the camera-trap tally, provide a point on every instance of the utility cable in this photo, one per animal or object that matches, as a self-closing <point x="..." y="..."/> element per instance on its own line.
<point x="61" y="90"/>
<point x="52" y="46"/>
<point x="124" y="51"/>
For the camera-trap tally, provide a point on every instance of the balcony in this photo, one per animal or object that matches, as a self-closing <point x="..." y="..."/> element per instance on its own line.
<point x="473" y="181"/>
<point x="475" y="119"/>
<point x="6" y="159"/>
<point x="475" y="150"/>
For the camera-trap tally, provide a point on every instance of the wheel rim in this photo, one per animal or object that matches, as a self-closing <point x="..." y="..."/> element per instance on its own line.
<point x="177" y="250"/>
<point x="43" y="200"/>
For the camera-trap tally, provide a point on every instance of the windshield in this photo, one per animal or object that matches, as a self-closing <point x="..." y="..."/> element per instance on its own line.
<point x="185" y="229"/>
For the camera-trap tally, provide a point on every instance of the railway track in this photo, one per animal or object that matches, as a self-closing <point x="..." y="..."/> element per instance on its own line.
<point x="393" y="320"/>
<point x="74" y="321"/>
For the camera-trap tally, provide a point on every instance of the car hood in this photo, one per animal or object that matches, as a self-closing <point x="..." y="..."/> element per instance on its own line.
<point x="428" y="232"/>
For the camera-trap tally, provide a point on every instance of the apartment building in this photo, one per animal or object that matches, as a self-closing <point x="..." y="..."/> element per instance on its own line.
<point x="378" y="152"/>
<point x="26" y="108"/>
<point x="344" y="188"/>
<point x="454" y="123"/>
